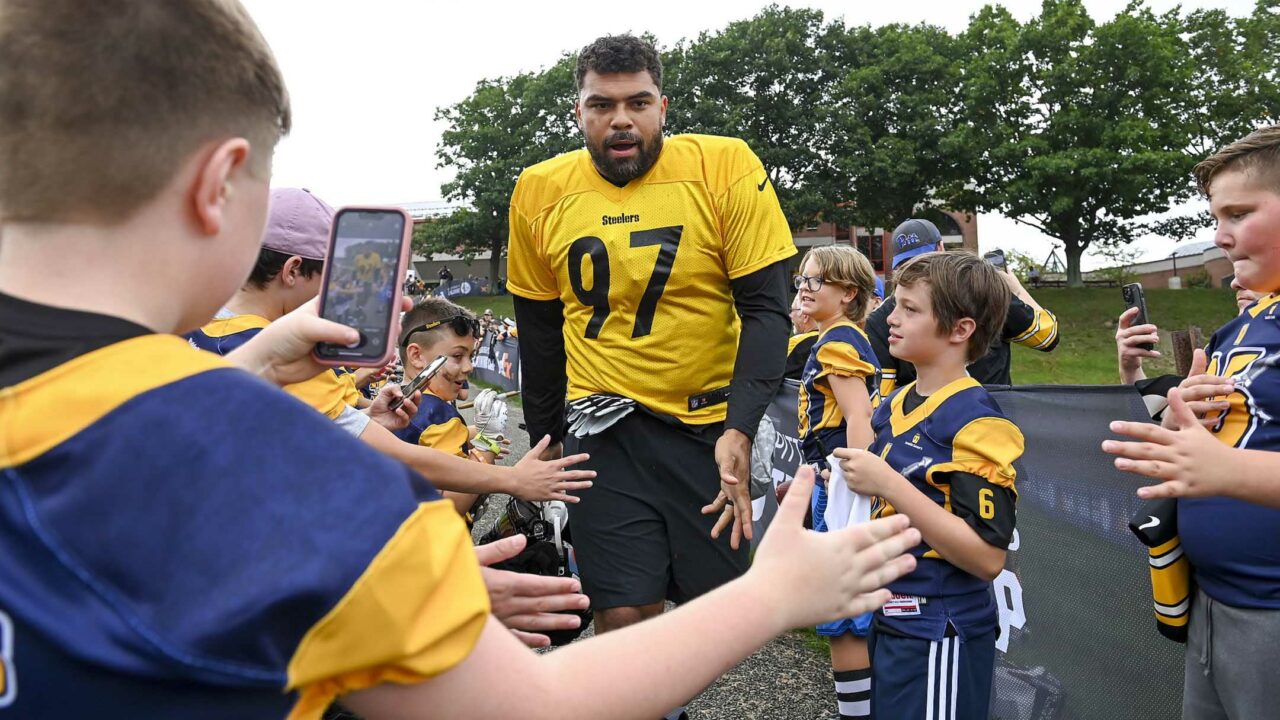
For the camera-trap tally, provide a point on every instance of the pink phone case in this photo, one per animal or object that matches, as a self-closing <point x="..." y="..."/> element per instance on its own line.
<point x="402" y="264"/>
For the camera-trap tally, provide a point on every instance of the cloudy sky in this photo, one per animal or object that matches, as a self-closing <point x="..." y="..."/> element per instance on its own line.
<point x="366" y="77"/>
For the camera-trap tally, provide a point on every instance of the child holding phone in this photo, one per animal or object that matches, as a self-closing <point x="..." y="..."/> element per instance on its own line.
<point x="436" y="327"/>
<point x="837" y="393"/>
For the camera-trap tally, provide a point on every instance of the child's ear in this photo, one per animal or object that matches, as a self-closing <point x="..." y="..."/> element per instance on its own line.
<point x="290" y="271"/>
<point x="212" y="189"/>
<point x="963" y="330"/>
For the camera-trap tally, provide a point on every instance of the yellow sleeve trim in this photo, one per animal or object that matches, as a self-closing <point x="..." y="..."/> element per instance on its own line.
<point x="41" y="413"/>
<point x="986" y="447"/>
<point x="450" y="436"/>
<point x="325" y="392"/>
<point x="1043" y="332"/>
<point x="416" y="612"/>
<point x="842" y="359"/>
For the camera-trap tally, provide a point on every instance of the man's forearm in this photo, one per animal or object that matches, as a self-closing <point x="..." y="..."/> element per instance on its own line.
<point x="542" y="363"/>
<point x="760" y="300"/>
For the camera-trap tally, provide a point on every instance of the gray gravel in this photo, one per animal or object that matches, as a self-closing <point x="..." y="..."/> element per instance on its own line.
<point x="787" y="679"/>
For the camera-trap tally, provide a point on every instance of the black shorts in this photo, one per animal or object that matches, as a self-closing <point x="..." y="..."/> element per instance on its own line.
<point x="639" y="533"/>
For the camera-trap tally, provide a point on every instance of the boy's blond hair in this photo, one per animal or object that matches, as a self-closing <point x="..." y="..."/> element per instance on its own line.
<point x="843" y="265"/>
<point x="1257" y="154"/>
<point x="961" y="285"/>
<point x="101" y="102"/>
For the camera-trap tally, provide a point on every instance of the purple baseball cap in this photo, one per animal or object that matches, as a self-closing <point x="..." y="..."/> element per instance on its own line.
<point x="914" y="237"/>
<point x="298" y="224"/>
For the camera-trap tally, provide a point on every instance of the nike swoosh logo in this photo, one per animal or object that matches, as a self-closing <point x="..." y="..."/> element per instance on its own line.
<point x="763" y="182"/>
<point x="1154" y="522"/>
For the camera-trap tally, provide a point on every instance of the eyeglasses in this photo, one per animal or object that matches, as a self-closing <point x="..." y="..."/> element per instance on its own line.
<point x="806" y="282"/>
<point x="460" y="324"/>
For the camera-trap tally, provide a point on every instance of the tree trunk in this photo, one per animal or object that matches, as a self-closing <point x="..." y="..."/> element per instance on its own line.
<point x="1074" y="251"/>
<point x="497" y="268"/>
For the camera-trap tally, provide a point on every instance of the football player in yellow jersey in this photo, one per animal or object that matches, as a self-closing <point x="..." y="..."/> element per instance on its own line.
<point x="650" y="275"/>
<point x="137" y="473"/>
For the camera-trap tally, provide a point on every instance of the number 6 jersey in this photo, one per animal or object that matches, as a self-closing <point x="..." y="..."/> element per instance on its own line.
<point x="643" y="270"/>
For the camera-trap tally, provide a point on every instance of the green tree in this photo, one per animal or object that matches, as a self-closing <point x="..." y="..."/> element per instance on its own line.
<point x="890" y="119"/>
<point x="760" y="80"/>
<point x="504" y="126"/>
<point x="1075" y="128"/>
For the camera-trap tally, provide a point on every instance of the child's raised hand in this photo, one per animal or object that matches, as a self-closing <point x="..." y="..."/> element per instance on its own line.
<point x="813" y="577"/>
<point x="1185" y="457"/>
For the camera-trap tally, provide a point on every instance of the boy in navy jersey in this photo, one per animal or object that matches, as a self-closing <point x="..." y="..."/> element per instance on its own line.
<point x="1216" y="452"/>
<point x="943" y="454"/>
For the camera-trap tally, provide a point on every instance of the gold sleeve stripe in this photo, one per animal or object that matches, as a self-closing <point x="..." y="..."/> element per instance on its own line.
<point x="222" y="327"/>
<point x="838" y="358"/>
<point x="1042" y="333"/>
<point x="988" y="446"/>
<point x="450" y="436"/>
<point x="416" y="612"/>
<point x="46" y="410"/>
<point x="325" y="392"/>
<point x="888" y="381"/>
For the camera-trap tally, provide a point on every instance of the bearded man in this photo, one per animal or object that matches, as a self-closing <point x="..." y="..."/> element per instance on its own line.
<point x="651" y="291"/>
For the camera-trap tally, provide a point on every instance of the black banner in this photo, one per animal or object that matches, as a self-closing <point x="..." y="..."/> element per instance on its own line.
<point x="1077" y="634"/>
<point x="498" y="362"/>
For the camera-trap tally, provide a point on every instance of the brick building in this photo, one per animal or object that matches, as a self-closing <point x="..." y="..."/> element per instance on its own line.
<point x="959" y="230"/>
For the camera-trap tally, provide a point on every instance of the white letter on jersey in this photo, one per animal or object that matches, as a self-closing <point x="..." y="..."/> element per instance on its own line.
<point x="1009" y="600"/>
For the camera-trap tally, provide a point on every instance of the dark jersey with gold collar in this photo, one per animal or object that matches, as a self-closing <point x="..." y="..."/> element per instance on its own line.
<point x="439" y="425"/>
<point x="326" y="392"/>
<point x="1234" y="546"/>
<point x="958" y="449"/>
<point x="644" y="270"/>
<point x="164" y="550"/>
<point x="841" y="350"/>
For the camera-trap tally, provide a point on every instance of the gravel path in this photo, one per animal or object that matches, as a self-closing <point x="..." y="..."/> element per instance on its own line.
<point x="787" y="679"/>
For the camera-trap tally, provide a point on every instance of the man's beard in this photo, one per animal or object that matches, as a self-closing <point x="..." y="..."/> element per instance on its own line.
<point x="623" y="170"/>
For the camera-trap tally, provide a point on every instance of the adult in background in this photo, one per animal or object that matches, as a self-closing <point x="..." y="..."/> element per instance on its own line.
<point x="446" y="278"/>
<point x="1027" y="323"/>
<point x="650" y="274"/>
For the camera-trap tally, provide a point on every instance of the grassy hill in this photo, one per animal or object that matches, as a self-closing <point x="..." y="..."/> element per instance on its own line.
<point x="1087" y="318"/>
<point x="1086" y="354"/>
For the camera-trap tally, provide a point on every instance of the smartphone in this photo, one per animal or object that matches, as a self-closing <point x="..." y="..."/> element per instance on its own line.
<point x="996" y="258"/>
<point x="420" y="381"/>
<point x="363" y="281"/>
<point x="1134" y="297"/>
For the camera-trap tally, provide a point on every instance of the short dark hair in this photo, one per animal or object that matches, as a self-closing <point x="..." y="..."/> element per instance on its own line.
<point x="271" y="262"/>
<point x="429" y="310"/>
<point x="1257" y="153"/>
<point x="961" y="285"/>
<point x="620" y="54"/>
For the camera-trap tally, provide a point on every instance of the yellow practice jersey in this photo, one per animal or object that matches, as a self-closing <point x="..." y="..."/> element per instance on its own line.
<point x="643" y="270"/>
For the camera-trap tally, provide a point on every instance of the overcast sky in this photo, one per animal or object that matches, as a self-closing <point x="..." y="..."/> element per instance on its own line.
<point x="366" y="77"/>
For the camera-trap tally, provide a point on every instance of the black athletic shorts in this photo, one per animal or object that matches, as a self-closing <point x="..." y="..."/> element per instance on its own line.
<point x="639" y="533"/>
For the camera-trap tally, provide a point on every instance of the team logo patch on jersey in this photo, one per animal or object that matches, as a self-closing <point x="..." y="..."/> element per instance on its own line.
<point x="8" y="677"/>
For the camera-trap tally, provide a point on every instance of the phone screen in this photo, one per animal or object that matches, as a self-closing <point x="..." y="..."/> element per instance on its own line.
<point x="362" y="280"/>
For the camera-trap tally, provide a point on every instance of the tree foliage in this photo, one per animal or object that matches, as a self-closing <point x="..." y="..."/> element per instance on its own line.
<point x="1082" y="130"/>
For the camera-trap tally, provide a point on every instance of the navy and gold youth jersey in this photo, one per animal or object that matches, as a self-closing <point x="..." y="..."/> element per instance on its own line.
<point x="844" y="351"/>
<point x="325" y="392"/>
<point x="1231" y="543"/>
<point x="958" y="449"/>
<point x="644" y="270"/>
<point x="168" y="548"/>
<point x="439" y="425"/>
